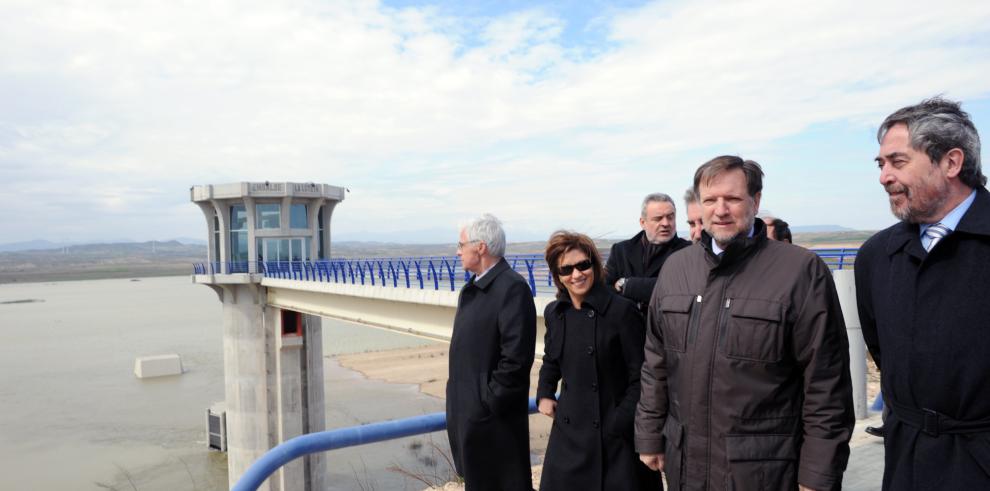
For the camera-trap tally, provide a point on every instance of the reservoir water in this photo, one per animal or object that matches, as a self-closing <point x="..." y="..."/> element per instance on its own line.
<point x="74" y="416"/>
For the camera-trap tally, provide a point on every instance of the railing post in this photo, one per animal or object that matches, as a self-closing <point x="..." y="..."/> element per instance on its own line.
<point x="405" y="268"/>
<point x="530" y="263"/>
<point x="845" y="285"/>
<point x="419" y="273"/>
<point x="436" y="278"/>
<point x="450" y="273"/>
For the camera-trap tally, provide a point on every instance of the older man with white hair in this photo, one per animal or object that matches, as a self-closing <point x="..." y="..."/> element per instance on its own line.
<point x="491" y="353"/>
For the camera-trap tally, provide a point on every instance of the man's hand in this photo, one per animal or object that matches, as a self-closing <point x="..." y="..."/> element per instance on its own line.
<point x="653" y="461"/>
<point x="802" y="487"/>
<point x="619" y="284"/>
<point x="548" y="407"/>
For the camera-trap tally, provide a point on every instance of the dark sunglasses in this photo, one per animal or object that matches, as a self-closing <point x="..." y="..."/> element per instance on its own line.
<point x="581" y="266"/>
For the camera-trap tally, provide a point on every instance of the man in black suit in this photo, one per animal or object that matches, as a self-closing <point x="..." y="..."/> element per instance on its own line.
<point x="633" y="265"/>
<point x="921" y="289"/>
<point x="491" y="352"/>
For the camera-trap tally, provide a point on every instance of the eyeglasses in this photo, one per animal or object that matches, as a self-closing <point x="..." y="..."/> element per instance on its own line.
<point x="581" y="266"/>
<point x="460" y="245"/>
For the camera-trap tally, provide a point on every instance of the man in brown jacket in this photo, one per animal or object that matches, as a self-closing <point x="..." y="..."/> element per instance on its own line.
<point x="746" y="380"/>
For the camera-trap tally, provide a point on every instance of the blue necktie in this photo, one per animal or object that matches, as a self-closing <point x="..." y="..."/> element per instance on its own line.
<point x="935" y="234"/>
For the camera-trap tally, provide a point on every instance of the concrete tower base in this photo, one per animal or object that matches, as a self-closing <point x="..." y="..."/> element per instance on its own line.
<point x="273" y="383"/>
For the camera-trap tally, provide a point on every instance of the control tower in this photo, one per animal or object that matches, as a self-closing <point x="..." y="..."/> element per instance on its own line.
<point x="272" y="357"/>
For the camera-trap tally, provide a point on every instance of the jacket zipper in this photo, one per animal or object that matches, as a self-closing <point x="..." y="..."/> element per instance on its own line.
<point x="711" y="372"/>
<point x="693" y="321"/>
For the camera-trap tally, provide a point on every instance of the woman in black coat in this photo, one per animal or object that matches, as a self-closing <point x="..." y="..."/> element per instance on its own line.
<point x="594" y="344"/>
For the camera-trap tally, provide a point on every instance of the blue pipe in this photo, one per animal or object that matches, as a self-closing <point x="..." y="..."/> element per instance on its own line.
<point x="877" y="403"/>
<point x="322" y="441"/>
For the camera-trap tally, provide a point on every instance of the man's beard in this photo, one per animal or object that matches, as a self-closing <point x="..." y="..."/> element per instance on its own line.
<point x="723" y="238"/>
<point x="920" y="203"/>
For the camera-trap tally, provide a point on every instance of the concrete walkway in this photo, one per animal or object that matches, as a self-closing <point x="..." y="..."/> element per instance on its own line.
<point x="865" y="469"/>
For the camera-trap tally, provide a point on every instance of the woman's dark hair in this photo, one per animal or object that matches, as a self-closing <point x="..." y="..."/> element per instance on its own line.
<point x="562" y="241"/>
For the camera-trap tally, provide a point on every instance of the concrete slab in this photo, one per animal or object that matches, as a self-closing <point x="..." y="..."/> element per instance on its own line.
<point x="157" y="366"/>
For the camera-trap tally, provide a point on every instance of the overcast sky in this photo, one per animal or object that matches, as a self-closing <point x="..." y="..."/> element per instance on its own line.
<point x="549" y="115"/>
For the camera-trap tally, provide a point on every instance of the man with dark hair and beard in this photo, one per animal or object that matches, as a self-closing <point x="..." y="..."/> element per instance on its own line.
<point x="633" y="264"/>
<point x="745" y="383"/>
<point x="921" y="292"/>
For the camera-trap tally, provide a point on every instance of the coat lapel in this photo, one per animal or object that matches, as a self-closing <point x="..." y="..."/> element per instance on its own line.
<point x="904" y="236"/>
<point x="634" y="253"/>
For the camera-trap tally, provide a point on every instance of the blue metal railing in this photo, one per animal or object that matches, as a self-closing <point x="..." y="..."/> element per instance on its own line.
<point x="424" y="272"/>
<point x="322" y="441"/>
<point x="838" y="258"/>
<point x="421" y="272"/>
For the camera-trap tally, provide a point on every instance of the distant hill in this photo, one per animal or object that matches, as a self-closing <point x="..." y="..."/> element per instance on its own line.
<point x="848" y="238"/>
<point x="354" y="249"/>
<point x="45" y="245"/>
<point x="32" y="245"/>
<point x="820" y="228"/>
<point x="91" y="261"/>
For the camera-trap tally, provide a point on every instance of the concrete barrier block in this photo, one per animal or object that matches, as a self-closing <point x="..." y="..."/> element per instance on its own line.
<point x="157" y="366"/>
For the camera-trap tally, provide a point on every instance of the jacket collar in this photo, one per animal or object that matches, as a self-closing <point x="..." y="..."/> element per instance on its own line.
<point x="738" y="250"/>
<point x="489" y="277"/>
<point x="599" y="298"/>
<point x="635" y="248"/>
<point x="976" y="221"/>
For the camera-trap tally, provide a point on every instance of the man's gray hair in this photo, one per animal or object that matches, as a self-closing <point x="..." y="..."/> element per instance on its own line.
<point x="690" y="196"/>
<point x="487" y="229"/>
<point x="656" y="198"/>
<point x="936" y="126"/>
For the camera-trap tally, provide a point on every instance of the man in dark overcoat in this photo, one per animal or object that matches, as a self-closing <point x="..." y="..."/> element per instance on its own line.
<point x="921" y="288"/>
<point x="633" y="264"/>
<point x="491" y="353"/>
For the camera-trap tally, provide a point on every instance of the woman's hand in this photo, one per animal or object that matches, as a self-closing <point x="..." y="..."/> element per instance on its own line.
<point x="547" y="407"/>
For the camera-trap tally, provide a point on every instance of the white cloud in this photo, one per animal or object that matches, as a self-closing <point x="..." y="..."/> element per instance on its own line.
<point x="474" y="114"/>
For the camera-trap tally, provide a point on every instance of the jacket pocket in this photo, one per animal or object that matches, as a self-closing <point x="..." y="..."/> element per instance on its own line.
<point x="620" y="424"/>
<point x="673" y="465"/>
<point x="484" y="407"/>
<point x="754" y="330"/>
<point x="676" y="321"/>
<point x="761" y="462"/>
